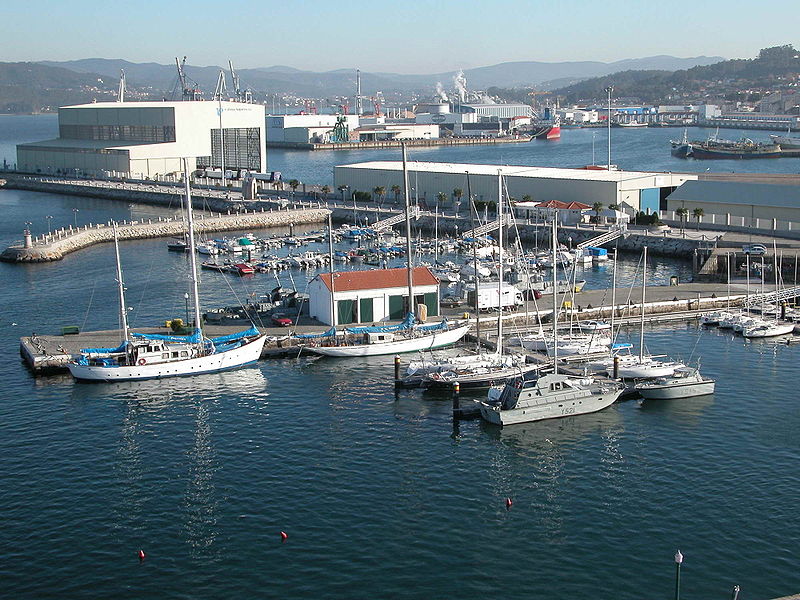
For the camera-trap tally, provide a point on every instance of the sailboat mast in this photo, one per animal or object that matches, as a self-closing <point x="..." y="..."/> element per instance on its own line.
<point x="123" y="311"/>
<point x="775" y="268"/>
<point x="500" y="261"/>
<point x="728" y="263"/>
<point x="330" y="257"/>
<point x="641" y="311"/>
<point x="409" y="267"/>
<point x="192" y="253"/>
<point x="613" y="295"/>
<point x="472" y="213"/>
<point x="554" y="245"/>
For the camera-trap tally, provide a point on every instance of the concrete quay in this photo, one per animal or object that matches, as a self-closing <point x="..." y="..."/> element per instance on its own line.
<point x="54" y="246"/>
<point x="378" y="144"/>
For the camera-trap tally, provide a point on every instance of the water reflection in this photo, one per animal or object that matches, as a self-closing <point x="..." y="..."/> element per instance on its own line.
<point x="685" y="411"/>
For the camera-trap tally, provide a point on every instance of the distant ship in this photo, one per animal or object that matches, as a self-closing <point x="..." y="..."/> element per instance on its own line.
<point x="786" y="142"/>
<point x="682" y="148"/>
<point x="743" y="149"/>
<point x="628" y="124"/>
<point x="548" y="127"/>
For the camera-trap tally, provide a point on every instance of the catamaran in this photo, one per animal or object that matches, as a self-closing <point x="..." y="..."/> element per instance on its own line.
<point x="153" y="356"/>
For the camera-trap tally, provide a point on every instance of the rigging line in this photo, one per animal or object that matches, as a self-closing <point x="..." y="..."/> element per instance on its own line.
<point x="89" y="308"/>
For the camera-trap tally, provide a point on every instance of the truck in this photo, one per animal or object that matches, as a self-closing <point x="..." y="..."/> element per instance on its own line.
<point x="492" y="297"/>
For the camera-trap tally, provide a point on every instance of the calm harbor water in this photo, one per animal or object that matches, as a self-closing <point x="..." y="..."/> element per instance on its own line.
<point x="643" y="149"/>
<point x="380" y="495"/>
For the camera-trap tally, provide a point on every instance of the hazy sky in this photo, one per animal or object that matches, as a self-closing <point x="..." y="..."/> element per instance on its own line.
<point x="411" y="36"/>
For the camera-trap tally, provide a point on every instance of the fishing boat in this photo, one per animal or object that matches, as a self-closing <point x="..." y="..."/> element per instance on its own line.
<point x="154" y="356"/>
<point x="786" y="142"/>
<point x="682" y="148"/>
<point x="377" y="340"/>
<point x="685" y="382"/>
<point x="742" y="149"/>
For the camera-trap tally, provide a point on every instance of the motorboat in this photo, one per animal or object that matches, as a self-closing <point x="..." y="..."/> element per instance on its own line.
<point x="547" y="397"/>
<point x="685" y="382"/>
<point x="768" y="329"/>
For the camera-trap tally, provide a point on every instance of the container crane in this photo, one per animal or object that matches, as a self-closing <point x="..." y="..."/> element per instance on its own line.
<point x="219" y="91"/>
<point x="241" y="95"/>
<point x="189" y="93"/>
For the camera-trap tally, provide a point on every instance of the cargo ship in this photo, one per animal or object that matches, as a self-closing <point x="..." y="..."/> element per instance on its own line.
<point x="548" y="127"/>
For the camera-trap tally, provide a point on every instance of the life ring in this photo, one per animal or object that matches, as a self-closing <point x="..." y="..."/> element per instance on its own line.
<point x="142" y="362"/>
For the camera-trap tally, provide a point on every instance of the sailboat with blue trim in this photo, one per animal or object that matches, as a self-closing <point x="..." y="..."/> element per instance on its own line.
<point x="154" y="356"/>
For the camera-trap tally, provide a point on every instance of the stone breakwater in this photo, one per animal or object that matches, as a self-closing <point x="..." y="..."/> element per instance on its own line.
<point x="55" y="246"/>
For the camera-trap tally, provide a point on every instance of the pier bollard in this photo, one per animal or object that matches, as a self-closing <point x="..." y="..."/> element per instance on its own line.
<point x="456" y="392"/>
<point x="396" y="369"/>
<point x="616" y="367"/>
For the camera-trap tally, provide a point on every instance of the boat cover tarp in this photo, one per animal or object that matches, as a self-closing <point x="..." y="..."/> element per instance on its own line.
<point x="118" y="349"/>
<point x="407" y="323"/>
<point x="442" y="325"/>
<point x="235" y="336"/>
<point x="187" y="339"/>
<point x="310" y="336"/>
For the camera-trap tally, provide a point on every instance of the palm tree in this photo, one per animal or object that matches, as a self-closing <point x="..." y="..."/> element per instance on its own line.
<point x="325" y="191"/>
<point x="597" y="207"/>
<point x="441" y="197"/>
<point x="294" y="184"/>
<point x="682" y="212"/>
<point x="698" y="215"/>
<point x="458" y="193"/>
<point x="527" y="198"/>
<point x="396" y="189"/>
<point x="380" y="192"/>
<point x="342" y="189"/>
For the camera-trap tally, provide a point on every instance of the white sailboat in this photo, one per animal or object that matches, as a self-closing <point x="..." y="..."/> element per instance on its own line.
<point x="407" y="336"/>
<point x="685" y="382"/>
<point x="151" y="356"/>
<point x="549" y="396"/>
<point x="641" y="366"/>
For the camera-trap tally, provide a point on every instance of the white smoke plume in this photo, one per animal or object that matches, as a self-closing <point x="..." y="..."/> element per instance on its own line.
<point x="461" y="85"/>
<point x="440" y="91"/>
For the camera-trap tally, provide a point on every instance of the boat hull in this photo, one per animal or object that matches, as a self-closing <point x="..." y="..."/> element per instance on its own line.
<point x="675" y="391"/>
<point x="581" y="405"/>
<point x="222" y="361"/>
<point x="421" y="343"/>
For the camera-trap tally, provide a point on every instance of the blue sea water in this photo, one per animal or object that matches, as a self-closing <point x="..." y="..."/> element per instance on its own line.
<point x="380" y="493"/>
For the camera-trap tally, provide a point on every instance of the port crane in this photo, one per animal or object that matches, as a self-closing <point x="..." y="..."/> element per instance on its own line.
<point x="241" y="95"/>
<point x="189" y="93"/>
<point x="121" y="90"/>
<point x="219" y="90"/>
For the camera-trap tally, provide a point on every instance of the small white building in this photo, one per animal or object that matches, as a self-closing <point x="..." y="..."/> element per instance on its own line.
<point x="371" y="296"/>
<point x="569" y="213"/>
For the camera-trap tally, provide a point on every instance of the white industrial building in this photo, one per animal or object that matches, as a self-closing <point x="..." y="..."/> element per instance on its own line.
<point x="631" y="190"/>
<point x="304" y="128"/>
<point x="497" y="111"/>
<point x="148" y="139"/>
<point x="371" y="296"/>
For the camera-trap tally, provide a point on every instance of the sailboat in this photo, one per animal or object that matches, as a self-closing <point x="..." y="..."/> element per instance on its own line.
<point x="377" y="340"/>
<point x="523" y="400"/>
<point x="769" y="328"/>
<point x="154" y="356"/>
<point x="498" y="367"/>
<point x="641" y="366"/>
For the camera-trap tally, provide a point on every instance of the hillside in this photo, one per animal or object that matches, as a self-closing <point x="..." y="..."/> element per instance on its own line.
<point x="32" y="87"/>
<point x="771" y="69"/>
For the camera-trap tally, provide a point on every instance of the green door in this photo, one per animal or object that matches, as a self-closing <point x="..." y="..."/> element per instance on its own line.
<point x="365" y="310"/>
<point x="432" y="302"/>
<point x="396" y="308"/>
<point x="344" y="310"/>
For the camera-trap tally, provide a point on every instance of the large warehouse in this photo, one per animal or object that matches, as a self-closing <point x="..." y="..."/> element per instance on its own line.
<point x="631" y="190"/>
<point x="148" y="139"/>
<point x="737" y="202"/>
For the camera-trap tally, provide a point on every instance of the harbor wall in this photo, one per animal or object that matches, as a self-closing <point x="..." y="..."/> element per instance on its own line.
<point x="55" y="246"/>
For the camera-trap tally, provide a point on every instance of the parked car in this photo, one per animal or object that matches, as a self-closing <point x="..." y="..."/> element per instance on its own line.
<point x="754" y="249"/>
<point x="281" y="320"/>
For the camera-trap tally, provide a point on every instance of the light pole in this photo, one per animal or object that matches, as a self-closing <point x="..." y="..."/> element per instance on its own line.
<point x="609" y="89"/>
<point x="49" y="223"/>
<point x="186" y="299"/>
<point x="75" y="216"/>
<point x="678" y="561"/>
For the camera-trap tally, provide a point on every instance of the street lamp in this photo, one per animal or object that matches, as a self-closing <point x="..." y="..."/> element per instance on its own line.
<point x="186" y="299"/>
<point x="609" y="89"/>
<point x="75" y="216"/>
<point x="678" y="561"/>
<point x="49" y="223"/>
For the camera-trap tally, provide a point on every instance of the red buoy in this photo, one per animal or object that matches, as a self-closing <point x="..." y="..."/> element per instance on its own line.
<point x="284" y="536"/>
<point x="141" y="554"/>
<point x="509" y="503"/>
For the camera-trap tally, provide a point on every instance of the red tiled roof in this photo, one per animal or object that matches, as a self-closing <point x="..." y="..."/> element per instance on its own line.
<point x="349" y="281"/>
<point x="563" y="205"/>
